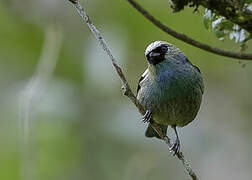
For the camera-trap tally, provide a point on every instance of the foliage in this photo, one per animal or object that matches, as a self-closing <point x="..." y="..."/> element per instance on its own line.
<point x="223" y="28"/>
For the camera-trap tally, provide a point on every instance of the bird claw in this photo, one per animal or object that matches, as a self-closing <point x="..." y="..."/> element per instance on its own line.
<point x="147" y="116"/>
<point x="175" y="147"/>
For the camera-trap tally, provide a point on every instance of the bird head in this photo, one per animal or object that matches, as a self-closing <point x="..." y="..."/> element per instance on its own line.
<point x="160" y="51"/>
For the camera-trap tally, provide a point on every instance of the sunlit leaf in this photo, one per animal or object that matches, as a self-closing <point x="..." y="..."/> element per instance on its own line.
<point x="207" y="18"/>
<point x="217" y="22"/>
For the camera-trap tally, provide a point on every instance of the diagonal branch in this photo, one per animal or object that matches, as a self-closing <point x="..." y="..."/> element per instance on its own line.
<point x="125" y="86"/>
<point x="187" y="39"/>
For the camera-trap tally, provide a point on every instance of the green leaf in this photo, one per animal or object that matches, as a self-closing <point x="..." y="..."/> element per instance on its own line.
<point x="219" y="34"/>
<point x="207" y="18"/>
<point x="248" y="1"/>
<point x="206" y="23"/>
<point x="226" y="25"/>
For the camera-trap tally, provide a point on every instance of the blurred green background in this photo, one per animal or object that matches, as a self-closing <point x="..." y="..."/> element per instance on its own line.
<point x="72" y="122"/>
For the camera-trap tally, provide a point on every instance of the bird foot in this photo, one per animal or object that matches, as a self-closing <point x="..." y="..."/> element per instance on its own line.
<point x="147" y="116"/>
<point x="175" y="147"/>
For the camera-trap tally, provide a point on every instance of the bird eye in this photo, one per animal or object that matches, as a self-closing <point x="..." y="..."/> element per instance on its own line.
<point x="163" y="48"/>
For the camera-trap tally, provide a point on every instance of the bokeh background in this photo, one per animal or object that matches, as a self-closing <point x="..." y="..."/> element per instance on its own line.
<point x="62" y="112"/>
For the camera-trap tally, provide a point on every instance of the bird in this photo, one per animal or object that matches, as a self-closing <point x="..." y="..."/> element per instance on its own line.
<point x="170" y="90"/>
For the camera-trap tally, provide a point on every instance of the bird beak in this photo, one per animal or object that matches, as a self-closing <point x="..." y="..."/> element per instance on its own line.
<point x="152" y="56"/>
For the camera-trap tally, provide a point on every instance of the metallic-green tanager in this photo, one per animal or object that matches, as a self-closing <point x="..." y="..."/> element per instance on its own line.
<point x="170" y="90"/>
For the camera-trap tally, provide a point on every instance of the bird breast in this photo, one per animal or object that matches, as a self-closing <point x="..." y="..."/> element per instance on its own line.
<point x="173" y="96"/>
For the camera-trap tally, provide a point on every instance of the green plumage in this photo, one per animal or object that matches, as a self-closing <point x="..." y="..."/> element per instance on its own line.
<point x="171" y="89"/>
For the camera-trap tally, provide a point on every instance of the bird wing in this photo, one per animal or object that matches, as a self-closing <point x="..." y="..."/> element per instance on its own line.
<point x="199" y="80"/>
<point x="141" y="79"/>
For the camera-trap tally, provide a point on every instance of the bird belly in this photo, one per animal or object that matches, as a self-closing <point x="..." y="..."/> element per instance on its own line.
<point x="178" y="111"/>
<point x="171" y="105"/>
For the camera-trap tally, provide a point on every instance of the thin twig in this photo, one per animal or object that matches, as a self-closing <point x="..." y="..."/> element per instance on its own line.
<point x="185" y="38"/>
<point x="125" y="86"/>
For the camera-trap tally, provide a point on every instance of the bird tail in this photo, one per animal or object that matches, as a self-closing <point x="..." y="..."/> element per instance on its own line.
<point x="150" y="132"/>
